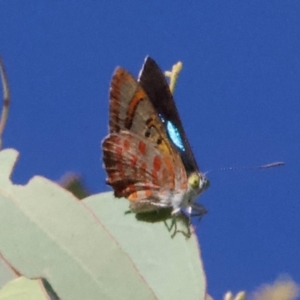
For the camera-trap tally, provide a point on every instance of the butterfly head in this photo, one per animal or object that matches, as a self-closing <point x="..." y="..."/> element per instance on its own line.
<point x="198" y="182"/>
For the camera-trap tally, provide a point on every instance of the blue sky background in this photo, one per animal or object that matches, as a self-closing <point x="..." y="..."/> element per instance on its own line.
<point x="238" y="96"/>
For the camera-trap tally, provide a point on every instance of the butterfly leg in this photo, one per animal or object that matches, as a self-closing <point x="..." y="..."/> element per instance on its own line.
<point x="170" y="227"/>
<point x="198" y="210"/>
<point x="195" y="210"/>
<point x="174" y="221"/>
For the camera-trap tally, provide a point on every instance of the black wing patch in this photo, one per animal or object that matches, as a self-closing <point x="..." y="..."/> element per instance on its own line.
<point x="156" y="87"/>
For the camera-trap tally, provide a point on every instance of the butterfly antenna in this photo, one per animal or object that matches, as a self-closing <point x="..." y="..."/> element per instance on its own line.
<point x="6" y="100"/>
<point x="173" y="75"/>
<point x="267" y="166"/>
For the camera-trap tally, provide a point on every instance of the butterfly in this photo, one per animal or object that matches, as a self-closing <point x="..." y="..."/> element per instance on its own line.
<point x="146" y="154"/>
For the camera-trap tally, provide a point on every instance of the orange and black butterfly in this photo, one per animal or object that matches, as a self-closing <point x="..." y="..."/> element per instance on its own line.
<point x="147" y="155"/>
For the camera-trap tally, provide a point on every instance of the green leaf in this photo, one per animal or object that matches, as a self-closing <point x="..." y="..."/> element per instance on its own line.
<point x="91" y="249"/>
<point x="47" y="232"/>
<point x="171" y="266"/>
<point x="6" y="273"/>
<point x="24" y="289"/>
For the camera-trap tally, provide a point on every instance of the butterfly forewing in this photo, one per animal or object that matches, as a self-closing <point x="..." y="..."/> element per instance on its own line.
<point x="157" y="89"/>
<point x="131" y="109"/>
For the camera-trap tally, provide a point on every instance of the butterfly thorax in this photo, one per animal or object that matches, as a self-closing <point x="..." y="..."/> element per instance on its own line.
<point x="197" y="184"/>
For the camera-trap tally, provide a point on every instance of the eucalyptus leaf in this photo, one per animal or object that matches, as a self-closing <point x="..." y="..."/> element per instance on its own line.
<point x="91" y="249"/>
<point x="171" y="266"/>
<point x="47" y="232"/>
<point x="24" y="289"/>
<point x="6" y="272"/>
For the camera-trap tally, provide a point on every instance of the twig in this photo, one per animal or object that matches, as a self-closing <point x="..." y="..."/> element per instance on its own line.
<point x="6" y="100"/>
<point x="173" y="75"/>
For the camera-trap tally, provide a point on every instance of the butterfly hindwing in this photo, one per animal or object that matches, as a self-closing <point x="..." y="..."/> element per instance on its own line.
<point x="142" y="173"/>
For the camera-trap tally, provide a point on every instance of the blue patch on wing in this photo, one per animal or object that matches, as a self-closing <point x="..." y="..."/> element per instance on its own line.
<point x="175" y="135"/>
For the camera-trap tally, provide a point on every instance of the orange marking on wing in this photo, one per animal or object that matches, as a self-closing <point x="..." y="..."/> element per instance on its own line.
<point x="133" y="196"/>
<point x="148" y="193"/>
<point x="136" y="99"/>
<point x="144" y="167"/>
<point x="131" y="188"/>
<point x="142" y="147"/>
<point x="171" y="174"/>
<point x="119" y="151"/>
<point x="132" y="192"/>
<point x="157" y="163"/>
<point x="165" y="145"/>
<point x="126" y="145"/>
<point x="133" y="161"/>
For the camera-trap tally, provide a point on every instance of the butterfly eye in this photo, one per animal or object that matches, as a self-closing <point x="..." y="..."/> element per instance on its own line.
<point x="194" y="180"/>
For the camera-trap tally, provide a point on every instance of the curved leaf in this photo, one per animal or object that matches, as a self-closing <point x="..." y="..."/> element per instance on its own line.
<point x="6" y="272"/>
<point x="46" y="232"/>
<point x="24" y="289"/>
<point x="171" y="266"/>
